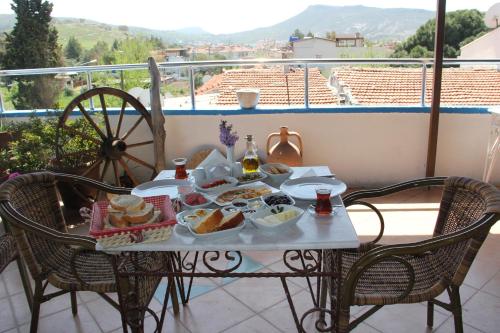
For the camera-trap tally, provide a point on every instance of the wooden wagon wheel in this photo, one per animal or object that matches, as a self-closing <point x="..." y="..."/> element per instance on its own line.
<point x="110" y="145"/>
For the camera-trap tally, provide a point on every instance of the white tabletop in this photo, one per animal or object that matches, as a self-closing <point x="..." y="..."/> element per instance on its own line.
<point x="310" y="232"/>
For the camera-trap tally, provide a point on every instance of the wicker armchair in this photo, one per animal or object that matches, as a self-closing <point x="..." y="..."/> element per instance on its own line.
<point x="410" y="273"/>
<point x="30" y="205"/>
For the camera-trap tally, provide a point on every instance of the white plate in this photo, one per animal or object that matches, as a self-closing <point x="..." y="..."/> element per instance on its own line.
<point x="267" y="211"/>
<point x="305" y="188"/>
<point x="231" y="182"/>
<point x="250" y="186"/>
<point x="262" y="176"/>
<point x="160" y="187"/>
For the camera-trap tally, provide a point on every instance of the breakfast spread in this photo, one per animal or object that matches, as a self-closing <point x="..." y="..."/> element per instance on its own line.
<point x="130" y="210"/>
<point x="242" y="193"/>
<point x="217" y="221"/>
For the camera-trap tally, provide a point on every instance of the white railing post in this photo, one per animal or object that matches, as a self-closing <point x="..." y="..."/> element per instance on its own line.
<point x="424" y="83"/>
<point x="89" y="86"/>
<point x="191" y="86"/>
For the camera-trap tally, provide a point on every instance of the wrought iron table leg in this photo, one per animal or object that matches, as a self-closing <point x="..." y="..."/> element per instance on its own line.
<point x="290" y="303"/>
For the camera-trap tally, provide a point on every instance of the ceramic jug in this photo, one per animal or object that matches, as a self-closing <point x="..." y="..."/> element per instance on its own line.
<point x="284" y="151"/>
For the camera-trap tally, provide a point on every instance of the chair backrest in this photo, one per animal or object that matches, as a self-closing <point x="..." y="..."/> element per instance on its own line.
<point x="464" y="203"/>
<point x="35" y="201"/>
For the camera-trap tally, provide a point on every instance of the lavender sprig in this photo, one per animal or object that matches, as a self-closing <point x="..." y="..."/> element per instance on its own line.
<point x="226" y="137"/>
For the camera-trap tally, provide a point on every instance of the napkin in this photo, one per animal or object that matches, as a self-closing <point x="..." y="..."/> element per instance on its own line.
<point x="308" y="173"/>
<point x="216" y="165"/>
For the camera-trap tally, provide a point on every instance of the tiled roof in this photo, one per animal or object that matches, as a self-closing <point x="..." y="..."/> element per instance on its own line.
<point x="275" y="86"/>
<point x="402" y="86"/>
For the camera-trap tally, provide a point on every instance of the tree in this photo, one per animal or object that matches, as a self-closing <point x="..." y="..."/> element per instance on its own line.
<point x="310" y="34"/>
<point x="32" y="44"/>
<point x="331" y="35"/>
<point x="297" y="33"/>
<point x="460" y="26"/>
<point x="73" y="49"/>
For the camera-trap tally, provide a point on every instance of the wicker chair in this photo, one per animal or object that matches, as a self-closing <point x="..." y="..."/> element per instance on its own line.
<point x="30" y="205"/>
<point x="417" y="272"/>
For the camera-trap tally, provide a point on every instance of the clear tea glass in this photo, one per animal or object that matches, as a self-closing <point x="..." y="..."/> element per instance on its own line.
<point x="323" y="204"/>
<point x="180" y="168"/>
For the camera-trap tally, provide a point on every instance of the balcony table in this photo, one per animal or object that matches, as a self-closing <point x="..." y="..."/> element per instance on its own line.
<point x="303" y="246"/>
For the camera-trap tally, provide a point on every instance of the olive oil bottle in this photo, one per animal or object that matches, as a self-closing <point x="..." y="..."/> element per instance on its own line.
<point x="251" y="159"/>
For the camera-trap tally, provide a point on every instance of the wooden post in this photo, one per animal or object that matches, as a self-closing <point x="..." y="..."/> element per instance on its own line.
<point x="157" y="116"/>
<point x="436" y="88"/>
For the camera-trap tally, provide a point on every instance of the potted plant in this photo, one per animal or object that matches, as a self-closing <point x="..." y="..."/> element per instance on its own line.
<point x="33" y="149"/>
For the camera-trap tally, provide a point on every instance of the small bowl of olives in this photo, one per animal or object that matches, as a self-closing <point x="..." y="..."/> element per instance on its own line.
<point x="279" y="198"/>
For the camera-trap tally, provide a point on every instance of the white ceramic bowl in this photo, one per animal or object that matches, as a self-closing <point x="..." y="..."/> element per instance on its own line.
<point x="183" y="199"/>
<point x="255" y="217"/>
<point x="276" y="178"/>
<point x="248" y="97"/>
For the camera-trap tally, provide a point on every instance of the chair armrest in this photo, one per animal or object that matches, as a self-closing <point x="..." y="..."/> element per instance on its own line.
<point x="355" y="198"/>
<point x="75" y="179"/>
<point x="349" y="198"/>
<point x="14" y="218"/>
<point x="366" y="246"/>
<point x="416" y="249"/>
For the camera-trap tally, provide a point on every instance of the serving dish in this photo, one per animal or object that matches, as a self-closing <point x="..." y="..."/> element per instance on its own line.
<point x="257" y="217"/>
<point x="189" y="218"/>
<point x="248" y="192"/>
<point x="259" y="176"/>
<point x="229" y="183"/>
<point x="160" y="187"/>
<point x="266" y="199"/>
<point x="305" y="188"/>
<point x="276" y="178"/>
<point x="185" y="197"/>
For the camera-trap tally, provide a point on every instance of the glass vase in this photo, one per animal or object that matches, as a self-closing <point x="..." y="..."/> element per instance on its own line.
<point x="230" y="154"/>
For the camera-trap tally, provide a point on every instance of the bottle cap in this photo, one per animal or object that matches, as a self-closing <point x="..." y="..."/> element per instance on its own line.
<point x="249" y="137"/>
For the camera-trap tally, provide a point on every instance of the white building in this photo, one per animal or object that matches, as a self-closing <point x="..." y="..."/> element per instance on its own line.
<point x="485" y="47"/>
<point x="345" y="46"/>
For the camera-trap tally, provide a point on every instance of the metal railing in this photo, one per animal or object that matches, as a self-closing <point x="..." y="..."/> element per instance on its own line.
<point x="192" y="65"/>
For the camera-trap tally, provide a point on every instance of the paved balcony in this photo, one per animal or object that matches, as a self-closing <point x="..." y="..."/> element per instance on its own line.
<point x="259" y="305"/>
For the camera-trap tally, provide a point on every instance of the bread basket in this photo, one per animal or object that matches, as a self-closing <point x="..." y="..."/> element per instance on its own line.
<point x="144" y="233"/>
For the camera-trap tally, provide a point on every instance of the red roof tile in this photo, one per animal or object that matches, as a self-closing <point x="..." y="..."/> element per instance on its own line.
<point x="275" y="86"/>
<point x="403" y="86"/>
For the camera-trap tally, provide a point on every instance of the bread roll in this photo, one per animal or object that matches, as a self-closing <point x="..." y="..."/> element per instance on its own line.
<point x="141" y="216"/>
<point x="131" y="203"/>
<point x="209" y="223"/>
<point x="231" y="220"/>
<point x="117" y="220"/>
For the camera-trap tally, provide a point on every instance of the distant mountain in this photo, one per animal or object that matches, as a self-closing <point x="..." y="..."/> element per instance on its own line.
<point x="373" y="24"/>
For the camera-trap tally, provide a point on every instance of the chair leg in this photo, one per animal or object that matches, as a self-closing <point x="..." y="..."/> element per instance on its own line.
<point x="35" y="311"/>
<point x="74" y="303"/>
<point x="430" y="314"/>
<point x="25" y="279"/>
<point x="456" y="308"/>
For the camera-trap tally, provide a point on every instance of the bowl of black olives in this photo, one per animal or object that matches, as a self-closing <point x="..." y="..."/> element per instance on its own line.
<point x="273" y="199"/>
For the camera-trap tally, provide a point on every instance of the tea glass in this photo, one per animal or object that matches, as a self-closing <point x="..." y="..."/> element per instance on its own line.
<point x="180" y="168"/>
<point x="323" y="204"/>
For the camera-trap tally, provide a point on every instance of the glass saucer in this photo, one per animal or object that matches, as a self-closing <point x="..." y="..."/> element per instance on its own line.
<point x="312" y="210"/>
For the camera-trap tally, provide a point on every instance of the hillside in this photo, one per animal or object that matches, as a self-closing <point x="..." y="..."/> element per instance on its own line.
<point x="372" y="23"/>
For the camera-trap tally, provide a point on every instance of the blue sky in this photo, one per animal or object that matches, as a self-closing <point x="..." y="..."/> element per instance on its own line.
<point x="216" y="16"/>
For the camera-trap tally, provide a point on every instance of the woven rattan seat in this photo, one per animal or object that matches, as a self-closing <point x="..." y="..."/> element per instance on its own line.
<point x="379" y="275"/>
<point x="8" y="251"/>
<point x="30" y="205"/>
